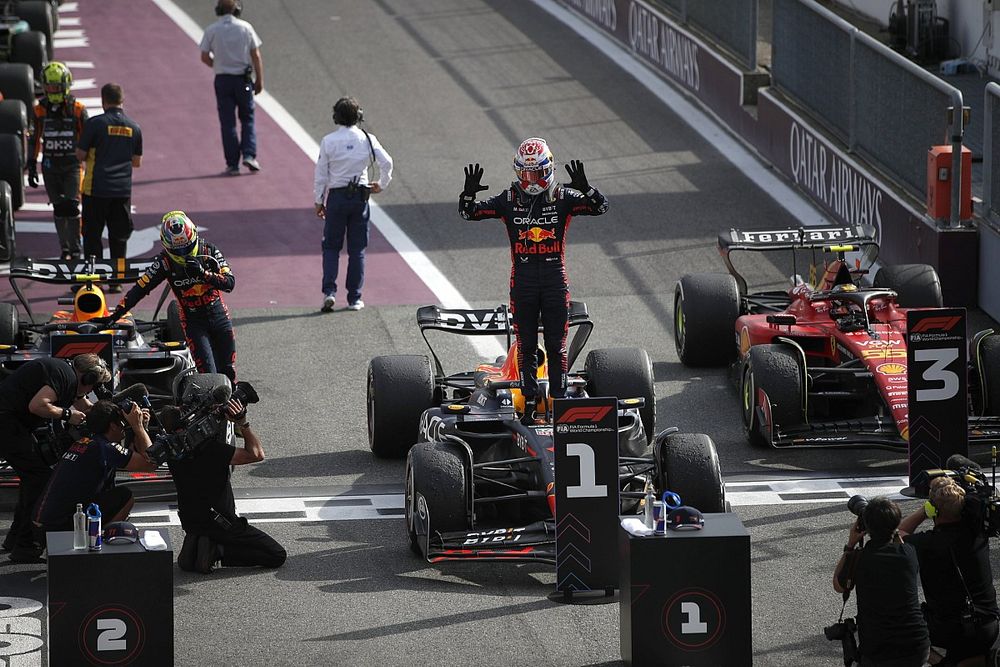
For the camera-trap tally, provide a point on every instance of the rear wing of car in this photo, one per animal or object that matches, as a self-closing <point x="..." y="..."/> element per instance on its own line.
<point x="60" y="272"/>
<point x="855" y="238"/>
<point x="497" y="322"/>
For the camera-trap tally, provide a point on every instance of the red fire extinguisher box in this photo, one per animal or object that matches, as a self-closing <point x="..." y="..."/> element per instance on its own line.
<point x="939" y="183"/>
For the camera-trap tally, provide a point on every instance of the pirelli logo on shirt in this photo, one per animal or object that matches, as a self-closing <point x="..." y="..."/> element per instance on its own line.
<point x="119" y="131"/>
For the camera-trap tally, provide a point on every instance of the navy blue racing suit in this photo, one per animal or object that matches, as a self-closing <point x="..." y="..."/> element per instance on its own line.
<point x="204" y="316"/>
<point x="536" y="227"/>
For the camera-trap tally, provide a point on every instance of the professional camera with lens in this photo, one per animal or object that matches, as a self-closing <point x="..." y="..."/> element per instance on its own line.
<point x="980" y="489"/>
<point x="856" y="506"/>
<point x="201" y="419"/>
<point x="845" y="631"/>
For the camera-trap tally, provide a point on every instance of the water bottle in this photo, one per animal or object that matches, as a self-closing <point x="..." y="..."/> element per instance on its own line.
<point x="650" y="499"/>
<point x="79" y="528"/>
<point x="94" y="527"/>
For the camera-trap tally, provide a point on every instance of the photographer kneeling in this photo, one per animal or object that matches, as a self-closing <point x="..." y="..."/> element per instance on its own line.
<point x="206" y="506"/>
<point x="955" y="572"/>
<point x="86" y="472"/>
<point x="890" y="625"/>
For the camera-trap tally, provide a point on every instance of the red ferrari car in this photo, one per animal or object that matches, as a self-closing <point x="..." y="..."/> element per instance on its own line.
<point x="823" y="363"/>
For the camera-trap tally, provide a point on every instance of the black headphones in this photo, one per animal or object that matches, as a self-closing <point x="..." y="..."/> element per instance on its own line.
<point x="92" y="377"/>
<point x="344" y="109"/>
<point x="237" y="10"/>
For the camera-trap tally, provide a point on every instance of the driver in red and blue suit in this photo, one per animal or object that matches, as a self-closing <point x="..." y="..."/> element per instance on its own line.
<point x="536" y="212"/>
<point x="197" y="273"/>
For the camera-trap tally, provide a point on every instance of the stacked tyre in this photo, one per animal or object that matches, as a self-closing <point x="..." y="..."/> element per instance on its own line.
<point x="16" y="98"/>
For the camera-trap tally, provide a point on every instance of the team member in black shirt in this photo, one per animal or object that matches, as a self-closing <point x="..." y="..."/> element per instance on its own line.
<point x="206" y="506"/>
<point x="39" y="390"/>
<point x="86" y="472"/>
<point x="955" y="566"/>
<point x="891" y="628"/>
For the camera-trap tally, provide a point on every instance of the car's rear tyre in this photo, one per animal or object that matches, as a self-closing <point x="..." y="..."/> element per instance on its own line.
<point x="38" y="14"/>
<point x="917" y="285"/>
<point x="706" y="306"/>
<point x="175" y="328"/>
<point x="8" y="245"/>
<point x="8" y="324"/>
<point x="11" y="168"/>
<point x="624" y="372"/>
<point x="988" y="365"/>
<point x="436" y="470"/>
<point x="16" y="83"/>
<point x="14" y="120"/>
<point x="777" y="371"/>
<point x="400" y="388"/>
<point x="30" y="48"/>
<point x="185" y="383"/>
<point x="689" y="466"/>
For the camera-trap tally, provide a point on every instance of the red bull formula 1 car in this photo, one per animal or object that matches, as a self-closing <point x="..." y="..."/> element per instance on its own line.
<point x="823" y="363"/>
<point x="152" y="352"/>
<point x="479" y="482"/>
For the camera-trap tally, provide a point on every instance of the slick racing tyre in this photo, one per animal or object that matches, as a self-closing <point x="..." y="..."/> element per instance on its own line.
<point x="38" y="14"/>
<point x="30" y="48"/>
<point x="400" y="388"/>
<point x="706" y="306"/>
<point x="191" y="385"/>
<point x="624" y="372"/>
<point x="14" y="120"/>
<point x="12" y="168"/>
<point x="8" y="246"/>
<point x="436" y="471"/>
<point x="8" y="324"/>
<point x="917" y="285"/>
<point x="688" y="465"/>
<point x="175" y="327"/>
<point x="16" y="83"/>
<point x="778" y="372"/>
<point x="988" y="365"/>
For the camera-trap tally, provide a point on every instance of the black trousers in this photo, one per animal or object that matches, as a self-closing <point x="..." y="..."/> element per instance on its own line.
<point x="17" y="447"/>
<point x="113" y="213"/>
<point x="529" y="302"/>
<point x="244" y="545"/>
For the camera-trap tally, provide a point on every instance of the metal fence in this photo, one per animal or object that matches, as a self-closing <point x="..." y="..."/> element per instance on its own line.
<point x="887" y="108"/>
<point x="991" y="154"/>
<point x="730" y="23"/>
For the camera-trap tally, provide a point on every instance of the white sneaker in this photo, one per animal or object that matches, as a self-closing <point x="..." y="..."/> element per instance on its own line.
<point x="357" y="305"/>
<point x="328" y="303"/>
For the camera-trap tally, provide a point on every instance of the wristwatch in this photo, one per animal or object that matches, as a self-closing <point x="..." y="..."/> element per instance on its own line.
<point x="66" y="414"/>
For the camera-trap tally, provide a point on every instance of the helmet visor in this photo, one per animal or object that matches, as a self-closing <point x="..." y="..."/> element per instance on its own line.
<point x="180" y="255"/>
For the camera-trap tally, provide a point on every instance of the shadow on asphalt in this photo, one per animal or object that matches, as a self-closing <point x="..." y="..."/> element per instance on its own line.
<point x="320" y="464"/>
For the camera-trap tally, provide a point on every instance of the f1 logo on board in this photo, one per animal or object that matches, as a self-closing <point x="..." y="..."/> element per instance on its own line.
<point x="73" y="349"/>
<point x="580" y="414"/>
<point x="939" y="323"/>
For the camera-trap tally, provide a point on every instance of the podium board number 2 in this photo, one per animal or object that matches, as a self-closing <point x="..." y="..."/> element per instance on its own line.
<point x="588" y="487"/>
<point x="112" y="631"/>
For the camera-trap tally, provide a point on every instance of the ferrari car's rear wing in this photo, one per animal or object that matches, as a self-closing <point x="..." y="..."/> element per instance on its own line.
<point x="497" y="322"/>
<point x="860" y="238"/>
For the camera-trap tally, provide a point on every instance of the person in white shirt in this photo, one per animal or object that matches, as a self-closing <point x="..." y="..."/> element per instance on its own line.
<point x="231" y="48"/>
<point x="341" y="188"/>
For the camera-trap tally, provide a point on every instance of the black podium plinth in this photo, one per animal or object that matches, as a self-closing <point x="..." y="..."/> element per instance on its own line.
<point x="110" y="607"/>
<point x="685" y="597"/>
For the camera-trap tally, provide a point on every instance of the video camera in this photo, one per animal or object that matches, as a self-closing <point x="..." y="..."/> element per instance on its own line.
<point x="978" y="488"/>
<point x="201" y="418"/>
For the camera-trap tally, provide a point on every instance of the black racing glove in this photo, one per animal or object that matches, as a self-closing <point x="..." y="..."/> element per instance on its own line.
<point x="473" y="180"/>
<point x="33" y="174"/>
<point x="577" y="177"/>
<point x="194" y="267"/>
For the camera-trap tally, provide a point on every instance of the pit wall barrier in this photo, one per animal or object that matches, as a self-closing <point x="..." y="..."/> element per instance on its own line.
<point x="844" y="186"/>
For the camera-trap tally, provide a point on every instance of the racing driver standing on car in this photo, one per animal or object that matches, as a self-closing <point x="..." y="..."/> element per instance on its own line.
<point x="536" y="212"/>
<point x="197" y="272"/>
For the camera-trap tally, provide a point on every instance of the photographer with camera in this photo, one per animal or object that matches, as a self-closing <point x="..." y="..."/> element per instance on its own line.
<point x="212" y="529"/>
<point x="86" y="472"/>
<point x="40" y="390"/>
<point x="884" y="572"/>
<point x="955" y="572"/>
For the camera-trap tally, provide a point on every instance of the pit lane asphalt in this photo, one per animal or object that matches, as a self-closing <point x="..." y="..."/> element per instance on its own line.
<point x="445" y="83"/>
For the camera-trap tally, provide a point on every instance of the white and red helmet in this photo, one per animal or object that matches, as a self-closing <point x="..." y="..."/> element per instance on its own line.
<point x="534" y="166"/>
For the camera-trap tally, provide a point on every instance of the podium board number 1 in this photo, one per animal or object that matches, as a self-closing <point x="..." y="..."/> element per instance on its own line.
<point x="693" y="625"/>
<point x="588" y="487"/>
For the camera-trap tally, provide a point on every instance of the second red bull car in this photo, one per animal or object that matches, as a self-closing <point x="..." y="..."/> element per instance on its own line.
<point x="824" y="362"/>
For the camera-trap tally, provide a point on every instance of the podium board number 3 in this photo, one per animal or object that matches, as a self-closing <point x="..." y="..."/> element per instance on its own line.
<point x="693" y="625"/>
<point x="588" y="487"/>
<point x="937" y="372"/>
<point x="112" y="631"/>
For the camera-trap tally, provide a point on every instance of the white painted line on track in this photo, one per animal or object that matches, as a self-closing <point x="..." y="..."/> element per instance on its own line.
<point x="84" y="84"/>
<point x="68" y="7"/>
<point x="696" y="117"/>
<point x="76" y="33"/>
<point x="446" y="293"/>
<point x="68" y="22"/>
<point x="78" y="64"/>
<point x="74" y="43"/>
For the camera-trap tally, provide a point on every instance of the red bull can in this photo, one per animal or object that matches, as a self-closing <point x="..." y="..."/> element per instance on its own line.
<point x="659" y="518"/>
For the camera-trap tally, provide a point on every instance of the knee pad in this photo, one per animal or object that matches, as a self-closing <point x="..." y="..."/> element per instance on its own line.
<point x="67" y="208"/>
